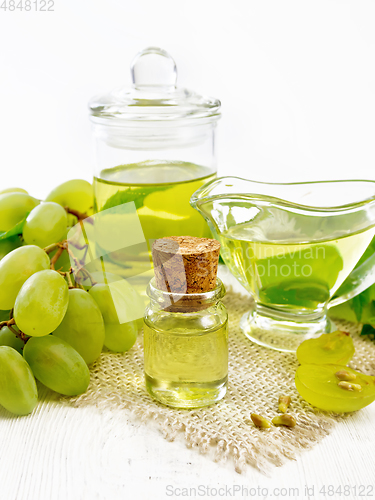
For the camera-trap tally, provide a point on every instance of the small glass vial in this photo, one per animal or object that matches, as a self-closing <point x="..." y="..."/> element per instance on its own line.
<point x="185" y="342"/>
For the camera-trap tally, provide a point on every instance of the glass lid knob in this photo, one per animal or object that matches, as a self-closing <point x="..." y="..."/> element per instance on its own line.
<point x="153" y="67"/>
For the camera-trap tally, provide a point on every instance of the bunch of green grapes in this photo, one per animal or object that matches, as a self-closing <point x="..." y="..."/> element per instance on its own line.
<point x="50" y="328"/>
<point x="324" y="380"/>
<point x="36" y="298"/>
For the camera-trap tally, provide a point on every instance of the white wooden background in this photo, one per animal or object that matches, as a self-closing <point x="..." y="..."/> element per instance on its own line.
<point x="297" y="84"/>
<point x="61" y="453"/>
<point x="64" y="453"/>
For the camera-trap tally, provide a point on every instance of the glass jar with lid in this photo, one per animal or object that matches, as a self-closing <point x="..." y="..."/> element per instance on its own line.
<point x="154" y="146"/>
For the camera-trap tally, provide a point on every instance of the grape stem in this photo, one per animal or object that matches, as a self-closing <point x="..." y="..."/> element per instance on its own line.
<point x="51" y="247"/>
<point x="61" y="246"/>
<point x="18" y="334"/>
<point x="78" y="232"/>
<point x="55" y="257"/>
<point x="67" y="276"/>
<point x="80" y="268"/>
<point x="76" y="213"/>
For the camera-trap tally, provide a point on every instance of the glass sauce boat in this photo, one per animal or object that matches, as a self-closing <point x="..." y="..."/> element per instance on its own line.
<point x="294" y="247"/>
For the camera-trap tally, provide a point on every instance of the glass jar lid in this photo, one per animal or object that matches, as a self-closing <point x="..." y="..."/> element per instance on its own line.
<point x="153" y="97"/>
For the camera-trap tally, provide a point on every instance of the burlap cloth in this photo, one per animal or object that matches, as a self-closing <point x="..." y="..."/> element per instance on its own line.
<point x="257" y="377"/>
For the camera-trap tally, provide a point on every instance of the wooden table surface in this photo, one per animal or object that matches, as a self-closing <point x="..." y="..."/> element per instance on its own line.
<point x="61" y="452"/>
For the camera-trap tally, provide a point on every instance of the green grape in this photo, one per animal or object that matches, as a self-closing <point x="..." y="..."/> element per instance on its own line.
<point x="13" y="208"/>
<point x="18" y="392"/>
<point x="82" y="326"/>
<point x="329" y="348"/>
<point x="41" y="303"/>
<point x="9" y="244"/>
<point x="16" y="268"/>
<point x="137" y="303"/>
<point x="7" y="337"/>
<point x="14" y="190"/>
<point x="319" y="386"/>
<point x="45" y="224"/>
<point x="76" y="194"/>
<point x="118" y="302"/>
<point x="57" y="365"/>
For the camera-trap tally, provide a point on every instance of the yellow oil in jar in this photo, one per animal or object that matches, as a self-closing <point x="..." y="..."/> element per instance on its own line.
<point x="186" y="362"/>
<point x="161" y="191"/>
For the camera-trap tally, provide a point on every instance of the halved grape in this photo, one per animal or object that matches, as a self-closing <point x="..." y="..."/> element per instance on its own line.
<point x="8" y="338"/>
<point x="329" y="348"/>
<point x="16" y="268"/>
<point x="76" y="194"/>
<point x="116" y="302"/>
<point x="45" y="224"/>
<point x="9" y="244"/>
<point x="319" y="386"/>
<point x="41" y="303"/>
<point x="18" y="392"/>
<point x="13" y="208"/>
<point x="57" y="365"/>
<point x="13" y="190"/>
<point x="83" y="325"/>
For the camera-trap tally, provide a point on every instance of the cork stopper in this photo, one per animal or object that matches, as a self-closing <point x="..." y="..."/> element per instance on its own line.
<point x="185" y="264"/>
